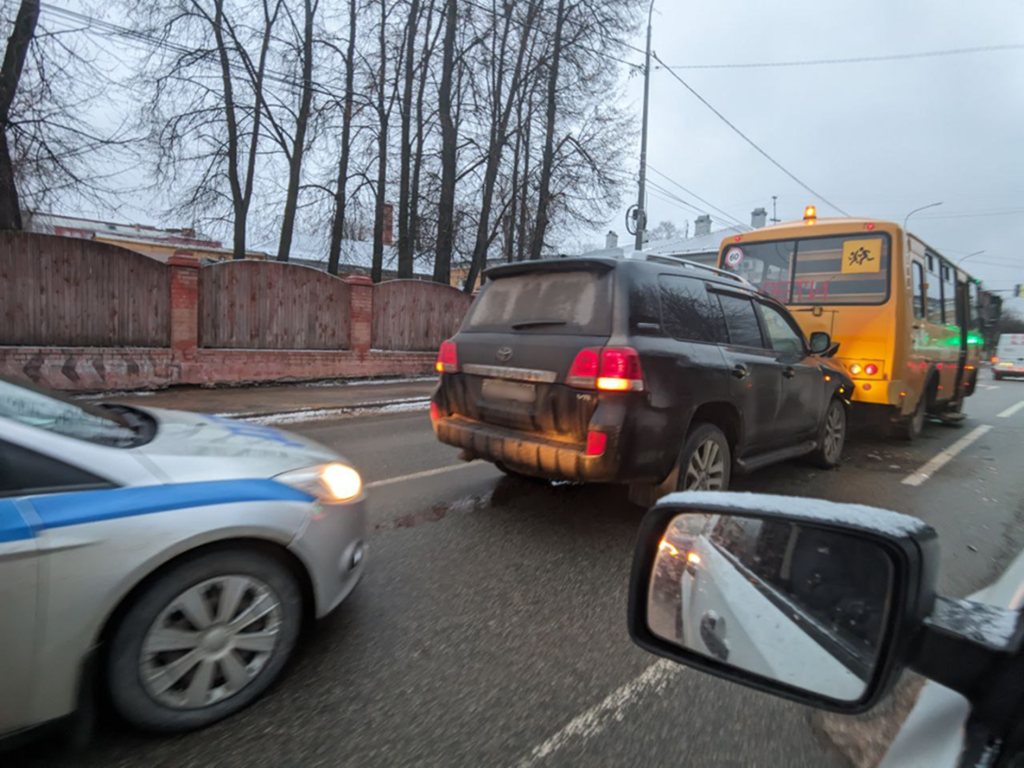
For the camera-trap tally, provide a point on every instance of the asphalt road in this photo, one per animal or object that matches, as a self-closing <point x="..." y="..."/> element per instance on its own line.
<point x="490" y="628"/>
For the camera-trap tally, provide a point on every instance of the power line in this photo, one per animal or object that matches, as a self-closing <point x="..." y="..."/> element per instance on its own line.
<point x="693" y="194"/>
<point x="853" y="59"/>
<point x="750" y="141"/>
<point x="672" y="195"/>
<point x="1012" y="212"/>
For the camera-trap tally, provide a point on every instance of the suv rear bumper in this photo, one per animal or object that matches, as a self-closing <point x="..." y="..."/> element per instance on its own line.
<point x="530" y="454"/>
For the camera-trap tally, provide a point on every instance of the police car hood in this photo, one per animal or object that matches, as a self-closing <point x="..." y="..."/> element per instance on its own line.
<point x="192" y="447"/>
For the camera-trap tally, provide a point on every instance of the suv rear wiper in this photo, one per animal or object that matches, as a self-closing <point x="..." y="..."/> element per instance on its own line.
<point x="532" y="323"/>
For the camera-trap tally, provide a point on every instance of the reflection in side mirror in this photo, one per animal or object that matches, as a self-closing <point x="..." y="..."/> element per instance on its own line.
<point x="820" y="342"/>
<point x="790" y="602"/>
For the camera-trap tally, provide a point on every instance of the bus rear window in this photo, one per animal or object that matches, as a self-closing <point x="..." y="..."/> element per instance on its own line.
<point x="845" y="269"/>
<point x="544" y="302"/>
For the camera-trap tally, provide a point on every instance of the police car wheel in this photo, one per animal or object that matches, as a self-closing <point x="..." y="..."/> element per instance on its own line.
<point x="204" y="640"/>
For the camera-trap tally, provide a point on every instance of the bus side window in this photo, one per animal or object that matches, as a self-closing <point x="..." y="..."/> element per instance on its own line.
<point x="935" y="307"/>
<point x="919" y="291"/>
<point x="949" y="294"/>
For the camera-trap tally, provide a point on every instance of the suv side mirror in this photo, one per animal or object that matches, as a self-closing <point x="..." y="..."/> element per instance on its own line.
<point x="809" y="600"/>
<point x="821" y="343"/>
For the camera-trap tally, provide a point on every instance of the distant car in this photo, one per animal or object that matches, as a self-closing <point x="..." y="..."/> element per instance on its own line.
<point x="657" y="372"/>
<point x="167" y="558"/>
<point x="1009" y="357"/>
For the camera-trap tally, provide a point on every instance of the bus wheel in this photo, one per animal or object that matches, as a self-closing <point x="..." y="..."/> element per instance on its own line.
<point x="910" y="427"/>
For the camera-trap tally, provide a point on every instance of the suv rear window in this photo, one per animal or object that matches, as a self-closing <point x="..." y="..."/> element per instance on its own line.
<point x="544" y="302"/>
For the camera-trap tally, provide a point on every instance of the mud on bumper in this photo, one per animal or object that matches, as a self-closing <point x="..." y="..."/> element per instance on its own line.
<point x="529" y="454"/>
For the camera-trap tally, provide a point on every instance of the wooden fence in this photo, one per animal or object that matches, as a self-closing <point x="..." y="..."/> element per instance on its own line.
<point x="413" y="315"/>
<point x="59" y="291"/>
<point x="271" y="305"/>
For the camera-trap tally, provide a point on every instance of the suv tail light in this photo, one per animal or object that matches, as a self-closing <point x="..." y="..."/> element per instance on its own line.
<point x="447" y="358"/>
<point x="584" y="369"/>
<point x="611" y="369"/>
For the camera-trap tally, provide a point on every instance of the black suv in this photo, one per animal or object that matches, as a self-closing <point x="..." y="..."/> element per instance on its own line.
<point x="656" y="371"/>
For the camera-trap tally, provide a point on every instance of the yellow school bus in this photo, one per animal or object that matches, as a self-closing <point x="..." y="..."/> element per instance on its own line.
<point x="906" y="319"/>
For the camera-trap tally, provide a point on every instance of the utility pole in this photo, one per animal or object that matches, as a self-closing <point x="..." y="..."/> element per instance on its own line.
<point x="641" y="211"/>
<point x="775" y="213"/>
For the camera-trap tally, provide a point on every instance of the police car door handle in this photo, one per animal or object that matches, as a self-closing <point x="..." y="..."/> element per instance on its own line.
<point x="740" y="371"/>
<point x="788" y="372"/>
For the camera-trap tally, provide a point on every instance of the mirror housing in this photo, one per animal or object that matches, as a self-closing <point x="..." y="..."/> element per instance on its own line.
<point x="910" y="544"/>
<point x="821" y="344"/>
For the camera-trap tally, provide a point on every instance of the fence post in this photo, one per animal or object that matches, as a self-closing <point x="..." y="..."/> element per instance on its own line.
<point x="184" y="302"/>
<point x="360" y="308"/>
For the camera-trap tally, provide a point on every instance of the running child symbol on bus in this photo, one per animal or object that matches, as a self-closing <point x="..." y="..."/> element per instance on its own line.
<point x="860" y="256"/>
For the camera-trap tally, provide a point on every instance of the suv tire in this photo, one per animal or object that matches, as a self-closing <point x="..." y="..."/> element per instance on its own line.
<point x="829" y="453"/>
<point x="705" y="461"/>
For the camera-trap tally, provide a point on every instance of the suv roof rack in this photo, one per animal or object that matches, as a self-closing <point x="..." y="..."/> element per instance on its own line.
<point x="697" y="265"/>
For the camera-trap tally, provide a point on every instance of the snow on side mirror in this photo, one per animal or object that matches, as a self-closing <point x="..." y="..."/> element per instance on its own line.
<point x="807" y="599"/>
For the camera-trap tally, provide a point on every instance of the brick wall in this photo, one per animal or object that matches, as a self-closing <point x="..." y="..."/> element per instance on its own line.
<point x="184" y="361"/>
<point x="99" y="368"/>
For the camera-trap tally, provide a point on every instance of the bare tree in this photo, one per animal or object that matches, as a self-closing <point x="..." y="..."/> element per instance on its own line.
<point x="297" y="149"/>
<point x="345" y="150"/>
<point x="10" y="77"/>
<point x="503" y="100"/>
<point x="449" y="150"/>
<point x="548" y="156"/>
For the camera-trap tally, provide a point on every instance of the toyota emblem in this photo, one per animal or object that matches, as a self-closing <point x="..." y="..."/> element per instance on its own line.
<point x="504" y="354"/>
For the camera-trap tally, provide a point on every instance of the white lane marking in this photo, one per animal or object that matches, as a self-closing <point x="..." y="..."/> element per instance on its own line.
<point x="1011" y="410"/>
<point x="424" y="473"/>
<point x="940" y="460"/>
<point x="612" y="709"/>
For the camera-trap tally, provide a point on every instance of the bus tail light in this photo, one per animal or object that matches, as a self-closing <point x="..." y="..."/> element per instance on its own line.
<point x="865" y="370"/>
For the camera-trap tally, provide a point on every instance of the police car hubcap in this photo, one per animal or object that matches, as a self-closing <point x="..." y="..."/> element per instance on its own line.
<point x="210" y="641"/>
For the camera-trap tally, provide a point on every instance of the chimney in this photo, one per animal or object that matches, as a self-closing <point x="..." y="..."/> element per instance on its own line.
<point x="758" y="218"/>
<point x="611" y="240"/>
<point x="388" y="237"/>
<point x="702" y="225"/>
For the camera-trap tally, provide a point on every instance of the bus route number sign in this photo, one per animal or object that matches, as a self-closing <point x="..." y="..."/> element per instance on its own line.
<point x="733" y="257"/>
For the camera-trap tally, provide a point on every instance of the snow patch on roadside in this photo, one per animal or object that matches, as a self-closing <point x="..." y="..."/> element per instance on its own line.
<point x="367" y="382"/>
<point x="323" y="414"/>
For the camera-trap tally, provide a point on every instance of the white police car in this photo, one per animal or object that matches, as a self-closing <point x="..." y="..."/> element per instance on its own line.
<point x="170" y="558"/>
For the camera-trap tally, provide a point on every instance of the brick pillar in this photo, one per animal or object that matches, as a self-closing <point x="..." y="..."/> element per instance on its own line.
<point x="360" y="313"/>
<point x="184" y="302"/>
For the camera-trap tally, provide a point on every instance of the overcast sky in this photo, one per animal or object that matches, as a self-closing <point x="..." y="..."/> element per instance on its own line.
<point x="877" y="139"/>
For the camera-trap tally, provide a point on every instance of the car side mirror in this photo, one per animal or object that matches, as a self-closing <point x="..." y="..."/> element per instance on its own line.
<point x="809" y="600"/>
<point x="821" y="344"/>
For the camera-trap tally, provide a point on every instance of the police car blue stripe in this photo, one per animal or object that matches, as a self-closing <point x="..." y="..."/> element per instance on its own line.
<point x="13" y="526"/>
<point x="64" y="509"/>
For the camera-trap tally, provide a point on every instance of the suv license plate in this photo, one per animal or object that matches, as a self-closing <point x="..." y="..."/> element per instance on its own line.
<point x="509" y="390"/>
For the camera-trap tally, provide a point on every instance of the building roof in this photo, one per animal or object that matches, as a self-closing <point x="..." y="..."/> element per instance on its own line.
<point x="127" y="235"/>
<point x="677" y="246"/>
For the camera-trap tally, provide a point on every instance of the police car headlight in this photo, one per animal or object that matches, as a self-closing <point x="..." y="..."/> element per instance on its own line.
<point x="328" y="482"/>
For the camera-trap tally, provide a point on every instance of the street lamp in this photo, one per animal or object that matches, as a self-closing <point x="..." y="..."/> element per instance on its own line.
<point x="969" y="255"/>
<point x="641" y="212"/>
<point x="922" y="208"/>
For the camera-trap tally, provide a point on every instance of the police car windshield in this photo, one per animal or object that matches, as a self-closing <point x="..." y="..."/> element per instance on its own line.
<point x="37" y="409"/>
